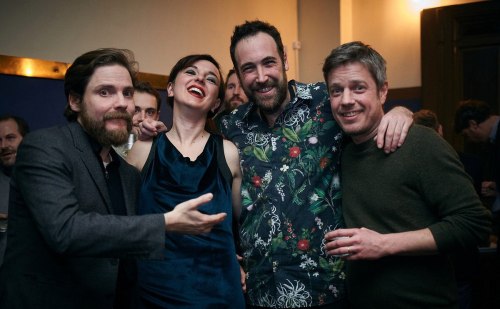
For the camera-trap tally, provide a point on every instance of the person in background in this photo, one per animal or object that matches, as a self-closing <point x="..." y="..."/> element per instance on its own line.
<point x="147" y="101"/>
<point x="476" y="122"/>
<point x="234" y="96"/>
<point x="12" y="131"/>
<point x="197" y="271"/>
<point x="466" y="264"/>
<point x="428" y="119"/>
<point x="72" y="224"/>
<point x="404" y="212"/>
<point x="472" y="163"/>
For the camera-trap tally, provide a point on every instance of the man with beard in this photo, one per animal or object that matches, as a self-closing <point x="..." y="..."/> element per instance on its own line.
<point x="12" y="131"/>
<point x="234" y="96"/>
<point x="71" y="225"/>
<point x="289" y="147"/>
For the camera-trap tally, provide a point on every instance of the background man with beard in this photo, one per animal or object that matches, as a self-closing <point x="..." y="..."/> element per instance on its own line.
<point x="234" y="96"/>
<point x="70" y="225"/>
<point x="12" y="131"/>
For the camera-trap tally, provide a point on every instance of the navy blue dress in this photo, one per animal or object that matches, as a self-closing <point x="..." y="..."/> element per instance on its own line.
<point x="198" y="271"/>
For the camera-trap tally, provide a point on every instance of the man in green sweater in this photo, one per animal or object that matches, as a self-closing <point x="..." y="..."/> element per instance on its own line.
<point x="404" y="212"/>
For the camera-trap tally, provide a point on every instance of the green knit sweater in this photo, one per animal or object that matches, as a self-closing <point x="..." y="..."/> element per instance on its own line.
<point x="421" y="185"/>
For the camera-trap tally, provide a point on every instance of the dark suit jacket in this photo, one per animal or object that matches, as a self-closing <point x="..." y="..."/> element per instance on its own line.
<point x="496" y="157"/>
<point x="4" y="201"/>
<point x="64" y="244"/>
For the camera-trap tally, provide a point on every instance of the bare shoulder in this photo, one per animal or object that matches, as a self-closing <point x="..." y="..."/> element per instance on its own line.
<point x="138" y="155"/>
<point x="230" y="150"/>
<point x="232" y="156"/>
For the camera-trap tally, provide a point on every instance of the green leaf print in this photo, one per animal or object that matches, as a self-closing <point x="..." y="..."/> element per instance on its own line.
<point x="260" y="154"/>
<point x="317" y="207"/>
<point x="296" y="199"/>
<point x="320" y="193"/>
<point x="246" y="201"/>
<point x="338" y="265"/>
<point x="291" y="135"/>
<point x="323" y="263"/>
<point x="247" y="150"/>
<point x="337" y="195"/>
<point x="306" y="128"/>
<point x="278" y="243"/>
<point x="328" y="125"/>
<point x="332" y="269"/>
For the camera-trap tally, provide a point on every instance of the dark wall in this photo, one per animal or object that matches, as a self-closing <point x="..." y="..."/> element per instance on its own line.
<point x="41" y="101"/>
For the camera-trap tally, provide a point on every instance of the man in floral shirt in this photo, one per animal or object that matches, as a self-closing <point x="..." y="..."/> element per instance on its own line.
<point x="290" y="149"/>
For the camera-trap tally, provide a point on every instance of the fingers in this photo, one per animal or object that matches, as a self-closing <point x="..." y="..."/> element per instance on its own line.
<point x="186" y="218"/>
<point x="345" y="252"/>
<point x="160" y="126"/>
<point x="403" y="132"/>
<point x="243" y="280"/>
<point x="149" y="128"/>
<point x="193" y="222"/>
<point x="392" y="137"/>
<point x="393" y="129"/>
<point x="338" y="241"/>
<point x="148" y="125"/>
<point x="388" y="135"/>
<point x="382" y="128"/>
<point x="339" y="233"/>
<point x="210" y="220"/>
<point x="197" y="202"/>
<point x="243" y="275"/>
<point x="343" y="243"/>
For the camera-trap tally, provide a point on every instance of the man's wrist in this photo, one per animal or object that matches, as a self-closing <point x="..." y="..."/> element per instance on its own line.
<point x="165" y="216"/>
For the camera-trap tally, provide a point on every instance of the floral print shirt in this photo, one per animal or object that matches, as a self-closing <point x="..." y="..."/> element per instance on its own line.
<point x="291" y="199"/>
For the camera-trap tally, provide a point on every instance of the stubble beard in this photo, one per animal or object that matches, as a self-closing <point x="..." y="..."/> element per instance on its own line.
<point x="275" y="103"/>
<point x="97" y="128"/>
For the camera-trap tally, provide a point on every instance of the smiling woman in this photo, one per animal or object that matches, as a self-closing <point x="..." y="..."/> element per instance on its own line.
<point x="188" y="161"/>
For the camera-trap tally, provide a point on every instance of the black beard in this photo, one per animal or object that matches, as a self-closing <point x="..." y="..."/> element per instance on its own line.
<point x="97" y="130"/>
<point x="277" y="103"/>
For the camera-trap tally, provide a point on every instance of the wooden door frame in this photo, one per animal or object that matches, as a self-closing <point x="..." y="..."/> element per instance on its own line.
<point x="444" y="31"/>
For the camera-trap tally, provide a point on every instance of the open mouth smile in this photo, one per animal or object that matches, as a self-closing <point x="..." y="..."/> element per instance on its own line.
<point x="198" y="92"/>
<point x="350" y="114"/>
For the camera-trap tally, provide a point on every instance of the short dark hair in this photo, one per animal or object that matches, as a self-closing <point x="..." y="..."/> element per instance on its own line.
<point x="468" y="110"/>
<point x="252" y="28"/>
<point x="22" y="125"/>
<point x="426" y="118"/>
<point x="146" y="87"/>
<point x="357" y="52"/>
<point x="79" y="73"/>
<point x="189" y="61"/>
<point x="231" y="72"/>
